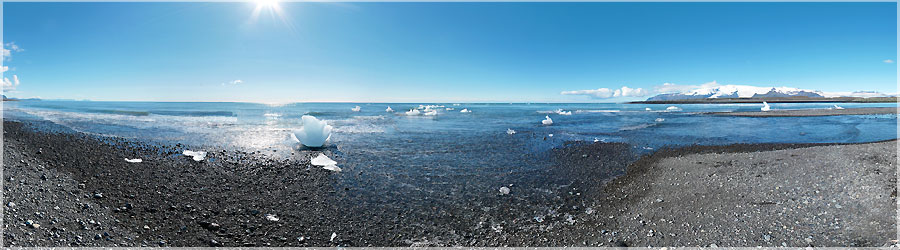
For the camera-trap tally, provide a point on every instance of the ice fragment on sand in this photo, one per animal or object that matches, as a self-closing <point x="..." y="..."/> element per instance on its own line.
<point x="136" y="160"/>
<point x="547" y="120"/>
<point x="356" y="109"/>
<point x="412" y="112"/>
<point x="465" y="111"/>
<point x="673" y="108"/>
<point x="325" y="162"/>
<point x="765" y="107"/>
<point x="510" y="131"/>
<point x="333" y="235"/>
<point x="389" y="109"/>
<point x="271" y="217"/>
<point x="314" y="132"/>
<point x="504" y="190"/>
<point x="196" y="155"/>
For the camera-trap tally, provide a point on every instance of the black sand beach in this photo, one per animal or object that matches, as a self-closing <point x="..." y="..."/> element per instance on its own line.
<point x="812" y="112"/>
<point x="73" y="189"/>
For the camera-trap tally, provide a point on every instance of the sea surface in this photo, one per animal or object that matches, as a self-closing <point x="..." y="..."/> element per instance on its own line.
<point x="452" y="158"/>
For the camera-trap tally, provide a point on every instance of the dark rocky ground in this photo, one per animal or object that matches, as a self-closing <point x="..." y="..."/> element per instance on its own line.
<point x="74" y="189"/>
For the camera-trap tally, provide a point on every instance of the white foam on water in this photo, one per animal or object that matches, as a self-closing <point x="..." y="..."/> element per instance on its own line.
<point x="598" y="111"/>
<point x="636" y="127"/>
<point x="673" y="108"/>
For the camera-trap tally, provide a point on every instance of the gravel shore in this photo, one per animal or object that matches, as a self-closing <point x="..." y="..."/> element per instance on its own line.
<point x="74" y="189"/>
<point x="811" y="112"/>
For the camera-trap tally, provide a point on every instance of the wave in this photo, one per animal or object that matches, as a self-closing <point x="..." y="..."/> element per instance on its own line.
<point x="598" y="111"/>
<point x="636" y="127"/>
<point x="193" y="113"/>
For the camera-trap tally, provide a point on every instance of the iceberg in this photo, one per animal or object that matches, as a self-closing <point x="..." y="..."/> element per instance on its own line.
<point x="389" y="109"/>
<point x="510" y="131"/>
<point x="325" y="162"/>
<point x="563" y="112"/>
<point x="356" y="109"/>
<point x="196" y="155"/>
<point x="837" y="107"/>
<point x="465" y="111"/>
<point x="673" y="108"/>
<point x="547" y="121"/>
<point x="136" y="160"/>
<point x="314" y="132"/>
<point x="765" y="107"/>
<point x="413" y="112"/>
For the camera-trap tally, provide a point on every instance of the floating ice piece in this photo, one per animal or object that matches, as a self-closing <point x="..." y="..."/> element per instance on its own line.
<point x="673" y="108"/>
<point x="314" y="132"/>
<point x="197" y="155"/>
<point x="413" y="112"/>
<point x="325" y="162"/>
<point x="551" y="135"/>
<point x="504" y="190"/>
<point x="647" y="109"/>
<point x="273" y="115"/>
<point x="547" y="120"/>
<point x="456" y="104"/>
<point x="837" y="107"/>
<point x="389" y="109"/>
<point x="596" y="140"/>
<point x="356" y="109"/>
<point x="465" y="111"/>
<point x="333" y="235"/>
<point x="510" y="131"/>
<point x="449" y="109"/>
<point x="563" y="112"/>
<point x="136" y="160"/>
<point x="431" y="112"/>
<point x="765" y="107"/>
<point x="659" y="120"/>
<point x="271" y="217"/>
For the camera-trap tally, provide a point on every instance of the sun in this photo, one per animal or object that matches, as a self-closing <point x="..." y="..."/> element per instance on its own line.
<point x="266" y="4"/>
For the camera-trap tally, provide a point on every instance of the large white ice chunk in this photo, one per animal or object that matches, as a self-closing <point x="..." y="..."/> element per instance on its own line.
<point x="314" y="132"/>
<point x="413" y="112"/>
<point x="325" y="162"/>
<point x="765" y="107"/>
<point x="465" y="111"/>
<point x="389" y="109"/>
<point x="547" y="120"/>
<point x="196" y="155"/>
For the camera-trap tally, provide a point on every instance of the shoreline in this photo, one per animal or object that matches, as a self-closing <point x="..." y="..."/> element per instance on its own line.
<point x="810" y="112"/>
<point x="170" y="200"/>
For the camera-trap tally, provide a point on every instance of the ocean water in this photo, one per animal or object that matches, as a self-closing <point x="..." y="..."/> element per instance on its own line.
<point x="452" y="159"/>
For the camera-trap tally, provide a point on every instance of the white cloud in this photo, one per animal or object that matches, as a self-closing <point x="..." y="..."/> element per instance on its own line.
<point x="10" y="85"/>
<point x="235" y="82"/>
<point x="625" y="91"/>
<point x="4" y="69"/>
<point x="888" y="61"/>
<point x="8" y="48"/>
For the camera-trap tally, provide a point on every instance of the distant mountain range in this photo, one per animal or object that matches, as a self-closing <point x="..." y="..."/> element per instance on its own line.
<point x="753" y="92"/>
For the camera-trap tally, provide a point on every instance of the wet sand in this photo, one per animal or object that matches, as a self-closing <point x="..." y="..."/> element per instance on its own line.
<point x="811" y="112"/>
<point x="77" y="190"/>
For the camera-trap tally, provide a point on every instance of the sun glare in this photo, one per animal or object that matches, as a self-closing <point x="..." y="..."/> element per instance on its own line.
<point x="272" y="9"/>
<point x="263" y="4"/>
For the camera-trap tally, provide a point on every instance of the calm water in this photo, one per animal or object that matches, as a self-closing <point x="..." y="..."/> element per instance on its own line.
<point x="455" y="159"/>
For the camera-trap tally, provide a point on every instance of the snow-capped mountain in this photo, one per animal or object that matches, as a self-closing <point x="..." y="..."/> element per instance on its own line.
<point x="737" y="91"/>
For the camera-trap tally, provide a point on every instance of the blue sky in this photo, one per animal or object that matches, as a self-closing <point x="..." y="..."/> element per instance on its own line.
<point x="416" y="52"/>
